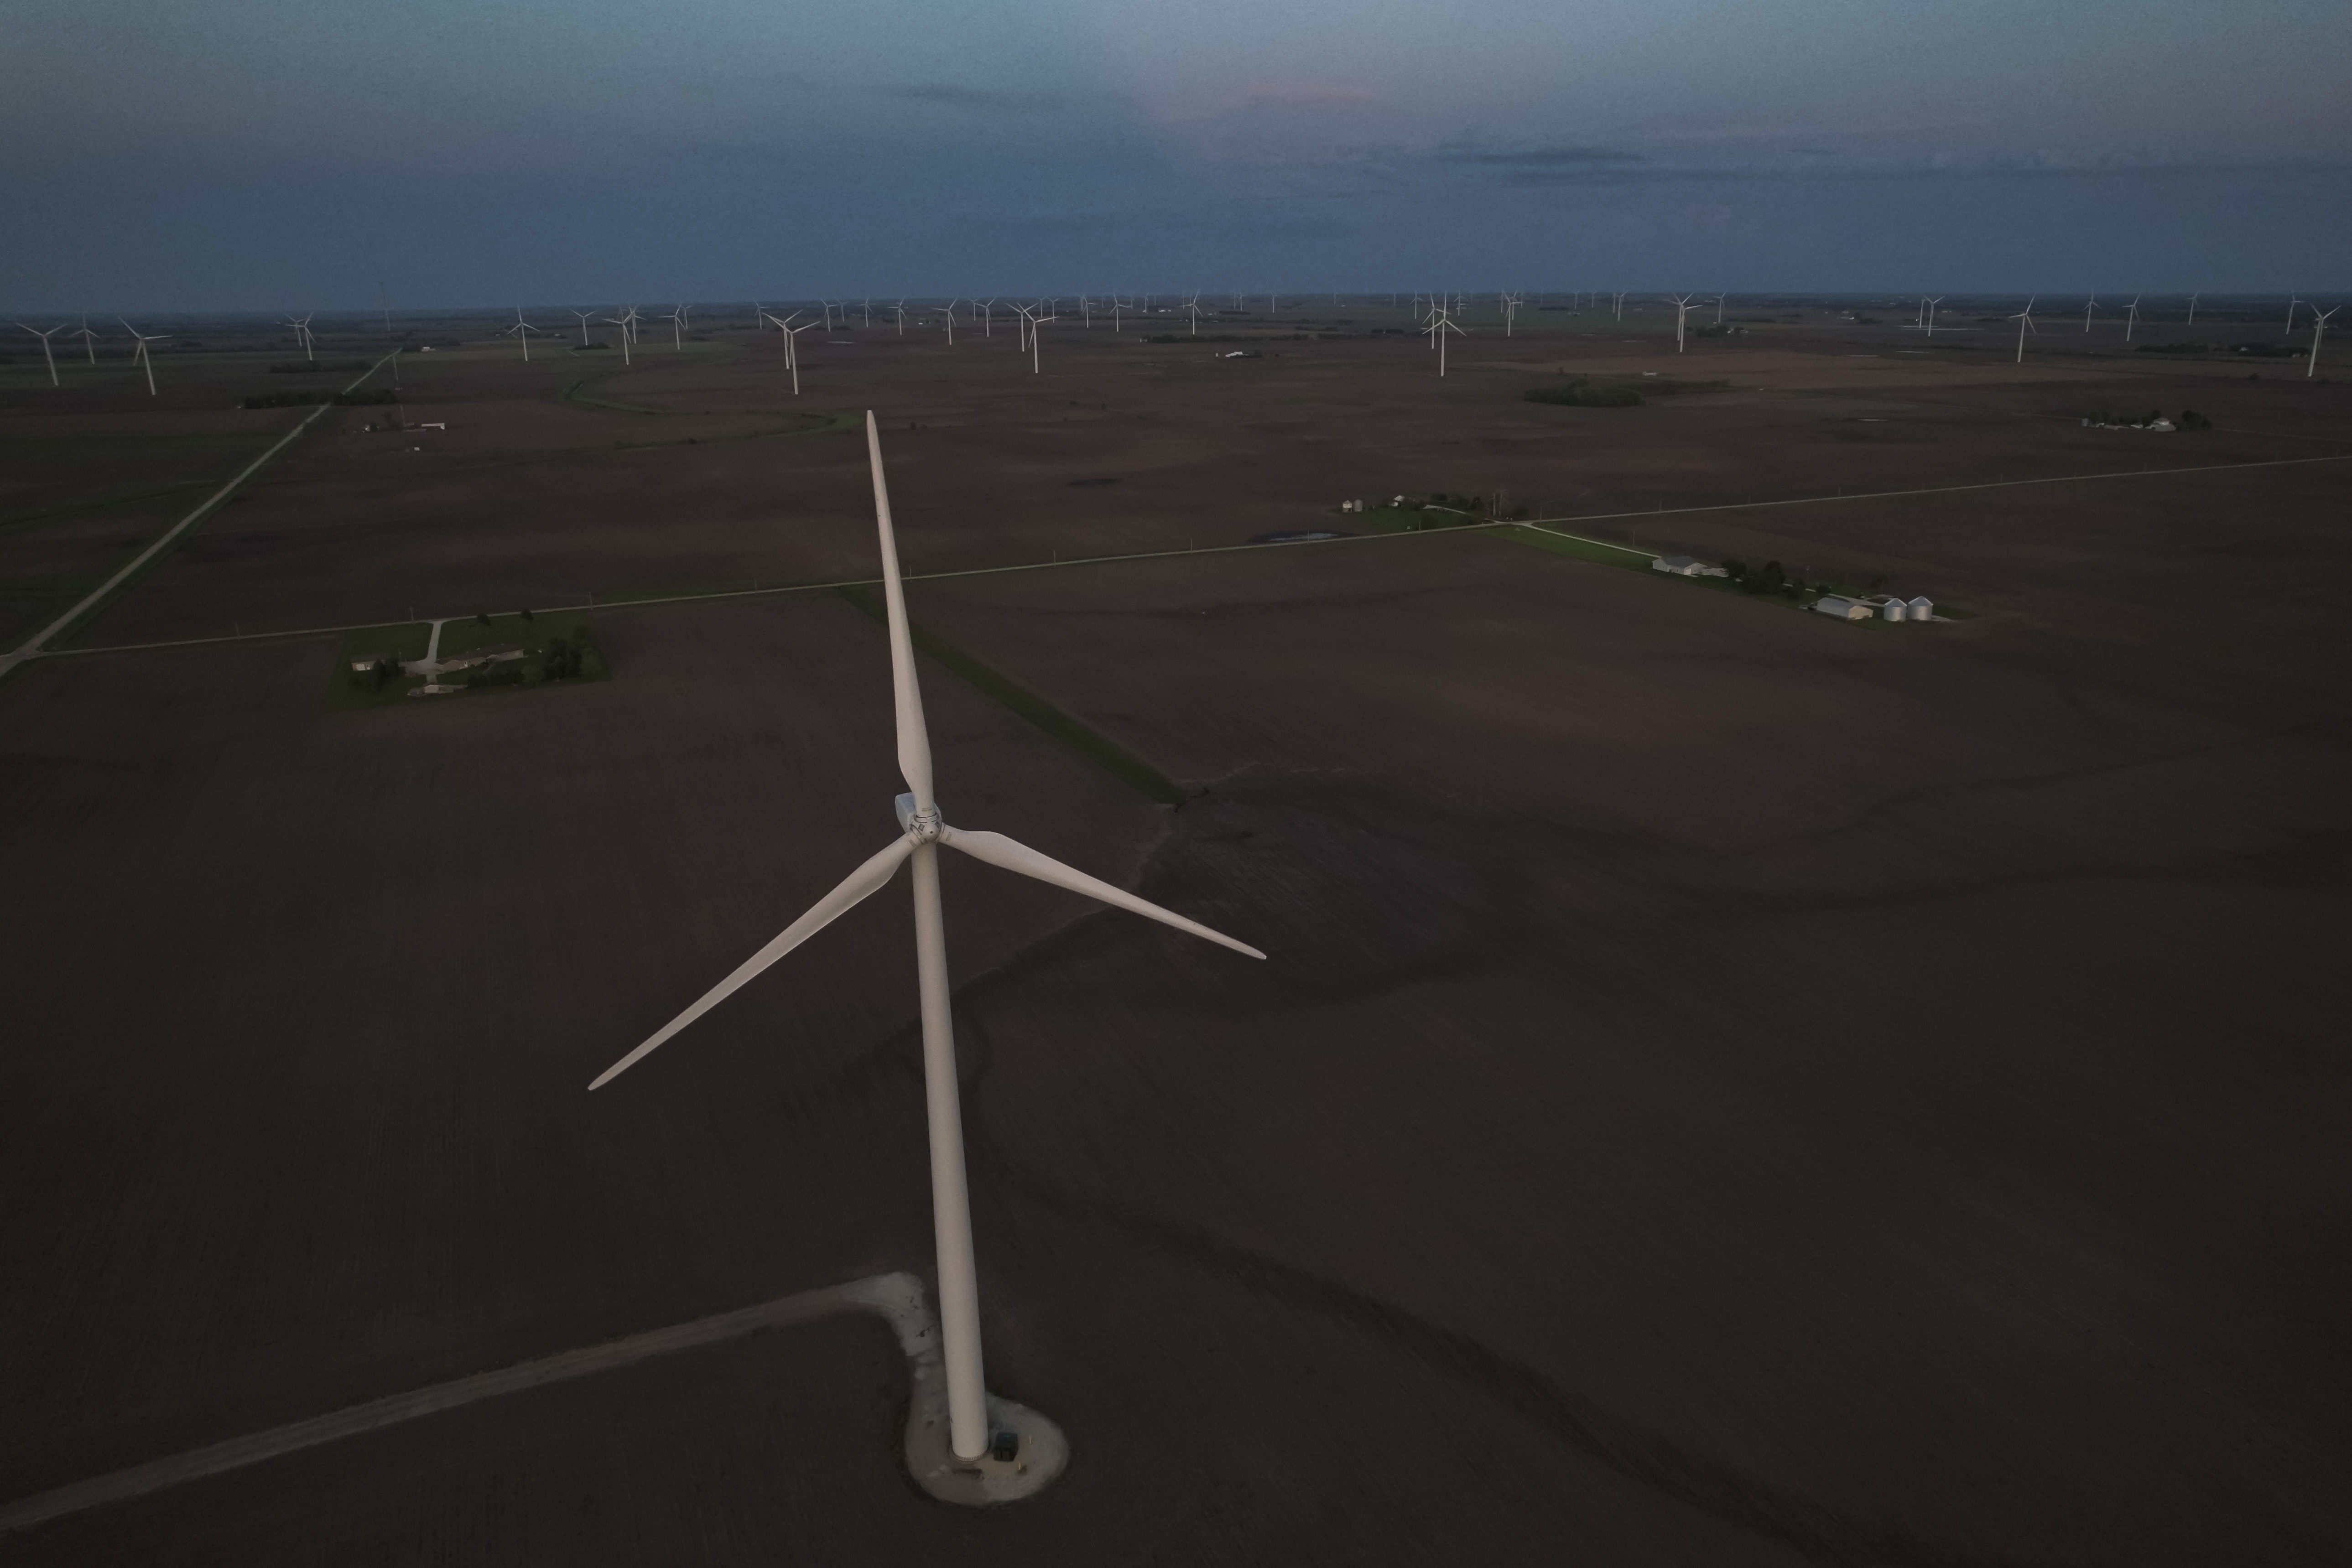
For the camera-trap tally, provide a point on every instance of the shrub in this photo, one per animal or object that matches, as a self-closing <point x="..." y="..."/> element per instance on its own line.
<point x="2192" y="420"/>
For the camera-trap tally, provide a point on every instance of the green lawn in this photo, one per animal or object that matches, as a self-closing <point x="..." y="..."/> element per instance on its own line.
<point x="350" y="691"/>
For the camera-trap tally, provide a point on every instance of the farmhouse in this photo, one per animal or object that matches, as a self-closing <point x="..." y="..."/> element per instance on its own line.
<point x="1684" y="566"/>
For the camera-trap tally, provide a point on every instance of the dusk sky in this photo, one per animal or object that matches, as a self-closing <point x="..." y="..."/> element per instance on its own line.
<point x="229" y="154"/>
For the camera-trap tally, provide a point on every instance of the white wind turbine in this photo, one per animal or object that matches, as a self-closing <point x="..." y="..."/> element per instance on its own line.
<point x="622" y="323"/>
<point x="1192" y="307"/>
<point x="1682" y="311"/>
<point x="949" y="312"/>
<point x="2131" y="317"/>
<point x="302" y="336"/>
<point x="2318" y="325"/>
<point x="523" y="330"/>
<point x="2024" y="319"/>
<point x="2292" y="300"/>
<point x="141" y="353"/>
<point x="1932" y="303"/>
<point x="1035" y="321"/>
<point x="1440" y="321"/>
<point x="988" y="316"/>
<point x="584" y="316"/>
<point x="2192" y="310"/>
<point x="1617" y="306"/>
<point x="46" y="354"/>
<point x="676" y="319"/>
<point x="900" y="309"/>
<point x="2086" y="312"/>
<point x="89" y="339"/>
<point x="1719" y="308"/>
<point x="922" y="832"/>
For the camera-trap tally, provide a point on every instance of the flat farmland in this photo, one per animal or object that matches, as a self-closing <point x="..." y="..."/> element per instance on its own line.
<point x="1728" y="1086"/>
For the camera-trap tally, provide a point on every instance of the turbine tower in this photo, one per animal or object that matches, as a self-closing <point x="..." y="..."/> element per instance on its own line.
<point x="46" y="354"/>
<point x="523" y="330"/>
<point x="2086" y="314"/>
<point x="1682" y="311"/>
<point x="2131" y="317"/>
<point x="1932" y="303"/>
<point x="922" y="831"/>
<point x="141" y="353"/>
<point x="2318" y="325"/>
<point x="2024" y="319"/>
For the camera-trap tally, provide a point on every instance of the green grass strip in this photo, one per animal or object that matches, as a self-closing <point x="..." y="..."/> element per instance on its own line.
<point x="1091" y="744"/>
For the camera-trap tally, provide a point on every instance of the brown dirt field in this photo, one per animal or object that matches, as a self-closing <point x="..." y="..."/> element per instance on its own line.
<point x="1730" y="1087"/>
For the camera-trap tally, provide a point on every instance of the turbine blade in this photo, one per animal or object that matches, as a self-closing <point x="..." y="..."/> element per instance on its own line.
<point x="860" y="885"/>
<point x="914" y="740"/>
<point x="999" y="851"/>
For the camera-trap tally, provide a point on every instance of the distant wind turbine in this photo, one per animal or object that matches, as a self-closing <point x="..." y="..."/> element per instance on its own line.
<point x="624" y="326"/>
<point x="523" y="330"/>
<point x="1440" y="321"/>
<point x="2292" y="300"/>
<point x="949" y="312"/>
<point x="302" y="337"/>
<point x="1932" y="303"/>
<point x="583" y="316"/>
<point x="2024" y="319"/>
<point x="141" y="353"/>
<point x="2131" y="317"/>
<point x="2192" y="310"/>
<point x="923" y="830"/>
<point x="900" y="310"/>
<point x="2318" y="325"/>
<point x="1682" y="311"/>
<point x="1719" y="308"/>
<point x="988" y="316"/>
<point x="676" y="319"/>
<point x="1192" y="307"/>
<point x="2086" y="313"/>
<point x="46" y="354"/>
<point x="89" y="339"/>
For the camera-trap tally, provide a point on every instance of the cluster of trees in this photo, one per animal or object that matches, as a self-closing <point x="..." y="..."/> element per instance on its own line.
<point x="567" y="659"/>
<point x="1771" y="578"/>
<point x="2189" y="420"/>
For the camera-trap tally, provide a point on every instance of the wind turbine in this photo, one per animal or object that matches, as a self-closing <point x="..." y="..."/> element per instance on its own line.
<point x="1440" y="321"/>
<point x="988" y="316"/>
<point x="46" y="354"/>
<point x="2086" y="313"/>
<point x="89" y="339"/>
<point x="948" y="311"/>
<point x="676" y="319"/>
<point x="623" y="324"/>
<point x="1617" y="304"/>
<point x="2024" y="319"/>
<point x="141" y="353"/>
<point x="302" y="336"/>
<point x="1682" y="309"/>
<point x="2318" y="325"/>
<point x="1194" y="306"/>
<point x="2192" y="310"/>
<point x="922" y="832"/>
<point x="1719" y="308"/>
<point x="1932" y="303"/>
<point x="900" y="310"/>
<point x="2292" y="300"/>
<point x="523" y="330"/>
<point x="2131" y="319"/>
<point x="583" y="316"/>
<point x="1036" y="364"/>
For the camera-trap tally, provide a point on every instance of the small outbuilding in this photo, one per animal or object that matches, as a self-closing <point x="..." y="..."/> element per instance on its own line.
<point x="1886" y="607"/>
<point x="1684" y="566"/>
<point x="1845" y="609"/>
<point x="1922" y="609"/>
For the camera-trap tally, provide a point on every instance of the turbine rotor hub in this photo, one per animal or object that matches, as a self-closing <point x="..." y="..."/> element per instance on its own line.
<point x="924" y="825"/>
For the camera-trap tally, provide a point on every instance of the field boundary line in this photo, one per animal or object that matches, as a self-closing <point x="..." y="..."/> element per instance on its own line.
<point x="898" y="1297"/>
<point x="205" y="509"/>
<point x="1944" y="489"/>
<point x="1540" y="525"/>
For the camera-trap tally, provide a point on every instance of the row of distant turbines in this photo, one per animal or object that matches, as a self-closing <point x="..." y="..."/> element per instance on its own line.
<point x="1436" y="312"/>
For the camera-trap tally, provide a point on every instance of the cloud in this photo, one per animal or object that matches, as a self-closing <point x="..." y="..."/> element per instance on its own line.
<point x="1541" y="157"/>
<point x="954" y="95"/>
